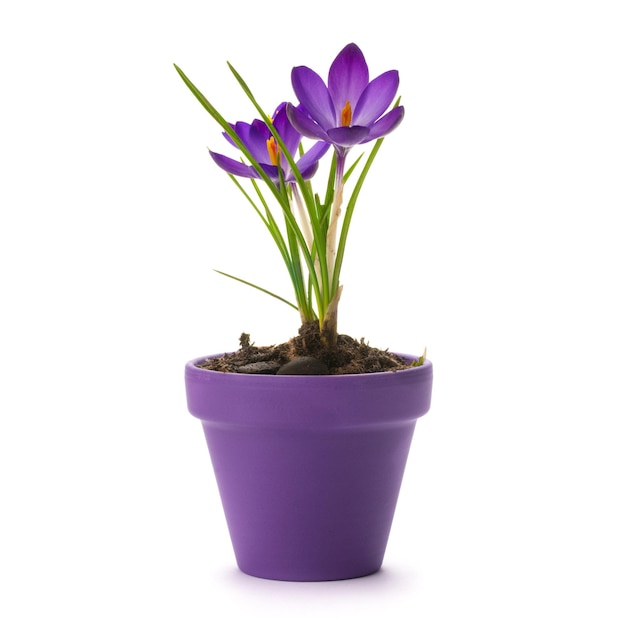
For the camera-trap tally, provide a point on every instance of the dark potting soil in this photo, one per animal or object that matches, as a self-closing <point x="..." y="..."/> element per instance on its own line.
<point x="306" y="355"/>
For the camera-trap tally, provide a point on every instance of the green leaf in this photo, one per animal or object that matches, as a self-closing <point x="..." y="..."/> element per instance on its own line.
<point x="269" y="293"/>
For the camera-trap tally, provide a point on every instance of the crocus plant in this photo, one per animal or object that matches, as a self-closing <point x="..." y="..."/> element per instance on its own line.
<point x="309" y="230"/>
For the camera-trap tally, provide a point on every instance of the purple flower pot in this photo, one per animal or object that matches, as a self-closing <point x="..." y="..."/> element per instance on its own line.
<point x="309" y="467"/>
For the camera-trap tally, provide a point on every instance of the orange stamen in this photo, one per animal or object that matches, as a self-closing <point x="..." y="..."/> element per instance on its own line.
<point x="273" y="150"/>
<point x="346" y="114"/>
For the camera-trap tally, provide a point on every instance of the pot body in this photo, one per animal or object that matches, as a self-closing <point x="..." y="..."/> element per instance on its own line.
<point x="309" y="468"/>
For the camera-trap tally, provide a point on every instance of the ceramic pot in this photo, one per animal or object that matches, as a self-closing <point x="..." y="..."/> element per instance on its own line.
<point x="309" y="468"/>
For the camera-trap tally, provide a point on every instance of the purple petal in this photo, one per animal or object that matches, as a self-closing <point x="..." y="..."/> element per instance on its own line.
<point x="386" y="124"/>
<point x="233" y="167"/>
<point x="254" y="139"/>
<point x="307" y="172"/>
<point x="304" y="124"/>
<point x="347" y="136"/>
<point x="376" y="98"/>
<point x="227" y="136"/>
<point x="270" y="170"/>
<point x="347" y="78"/>
<point x="313" y="95"/>
<point x="313" y="155"/>
<point x="290" y="136"/>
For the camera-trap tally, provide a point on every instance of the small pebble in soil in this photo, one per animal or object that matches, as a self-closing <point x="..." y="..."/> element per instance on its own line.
<point x="304" y="366"/>
<point x="261" y="367"/>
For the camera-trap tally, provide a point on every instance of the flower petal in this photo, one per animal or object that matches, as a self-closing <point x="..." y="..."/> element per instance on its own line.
<point x="236" y="168"/>
<point x="262" y="128"/>
<point x="227" y="136"/>
<point x="347" y="78"/>
<point x="313" y="155"/>
<point x="290" y="136"/>
<point x="304" y="124"/>
<point x="306" y="173"/>
<point x="270" y="170"/>
<point x="254" y="139"/>
<point x="348" y="136"/>
<point x="376" y="98"/>
<point x="386" y="124"/>
<point x="313" y="95"/>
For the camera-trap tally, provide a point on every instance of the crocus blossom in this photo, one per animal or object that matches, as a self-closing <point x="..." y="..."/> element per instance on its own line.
<point x="351" y="109"/>
<point x="265" y="150"/>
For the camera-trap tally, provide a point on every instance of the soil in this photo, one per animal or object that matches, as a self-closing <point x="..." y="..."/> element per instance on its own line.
<point x="305" y="354"/>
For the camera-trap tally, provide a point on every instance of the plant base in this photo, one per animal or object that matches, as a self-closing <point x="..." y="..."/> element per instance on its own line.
<point x="348" y="357"/>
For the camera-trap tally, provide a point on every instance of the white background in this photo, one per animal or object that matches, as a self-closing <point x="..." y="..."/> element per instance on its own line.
<point x="490" y="230"/>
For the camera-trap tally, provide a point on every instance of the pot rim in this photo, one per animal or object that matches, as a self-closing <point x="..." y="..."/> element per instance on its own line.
<point x="321" y="402"/>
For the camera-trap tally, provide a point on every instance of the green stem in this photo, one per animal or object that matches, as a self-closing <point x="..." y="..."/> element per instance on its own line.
<point x="349" y="212"/>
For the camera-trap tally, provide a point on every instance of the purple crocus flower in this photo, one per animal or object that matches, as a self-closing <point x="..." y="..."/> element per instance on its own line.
<point x="350" y="110"/>
<point x="265" y="150"/>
